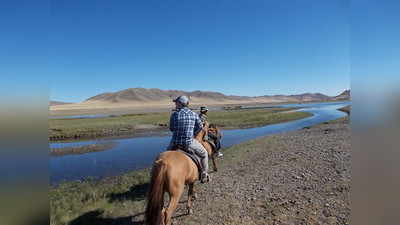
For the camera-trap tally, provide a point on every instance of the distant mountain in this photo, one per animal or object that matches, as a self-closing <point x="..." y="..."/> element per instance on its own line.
<point x="153" y="95"/>
<point x="311" y="97"/>
<point x="345" y="95"/>
<point x="51" y="103"/>
<point x="157" y="95"/>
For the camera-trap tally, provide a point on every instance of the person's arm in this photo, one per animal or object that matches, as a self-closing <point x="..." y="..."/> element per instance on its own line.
<point x="172" y="122"/>
<point x="198" y="124"/>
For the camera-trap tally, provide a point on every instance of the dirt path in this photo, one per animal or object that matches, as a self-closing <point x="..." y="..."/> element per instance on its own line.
<point x="301" y="177"/>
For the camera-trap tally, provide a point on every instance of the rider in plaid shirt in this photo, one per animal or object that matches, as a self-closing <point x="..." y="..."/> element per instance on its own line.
<point x="185" y="124"/>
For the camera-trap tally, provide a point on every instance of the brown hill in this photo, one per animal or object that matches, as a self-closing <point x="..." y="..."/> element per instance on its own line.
<point x="345" y="95"/>
<point x="157" y="95"/>
<point x="306" y="97"/>
<point x="144" y="95"/>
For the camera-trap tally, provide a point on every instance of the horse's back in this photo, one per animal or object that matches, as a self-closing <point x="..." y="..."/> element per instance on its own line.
<point x="178" y="164"/>
<point x="172" y="156"/>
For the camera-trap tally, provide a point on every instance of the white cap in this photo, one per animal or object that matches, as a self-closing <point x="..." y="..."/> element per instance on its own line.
<point x="182" y="99"/>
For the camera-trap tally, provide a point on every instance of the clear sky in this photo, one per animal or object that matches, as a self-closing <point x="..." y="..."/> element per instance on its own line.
<point x="237" y="47"/>
<point x="375" y="43"/>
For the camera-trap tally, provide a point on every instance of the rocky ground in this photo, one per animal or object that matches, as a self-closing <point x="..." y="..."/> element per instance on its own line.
<point x="301" y="177"/>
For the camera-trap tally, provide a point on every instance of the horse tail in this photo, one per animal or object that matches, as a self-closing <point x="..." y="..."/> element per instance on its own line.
<point x="155" y="198"/>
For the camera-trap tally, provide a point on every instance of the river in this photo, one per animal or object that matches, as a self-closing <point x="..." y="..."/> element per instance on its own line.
<point x="139" y="152"/>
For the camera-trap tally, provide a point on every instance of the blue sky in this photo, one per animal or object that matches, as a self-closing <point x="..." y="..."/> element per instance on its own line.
<point x="260" y="47"/>
<point x="375" y="48"/>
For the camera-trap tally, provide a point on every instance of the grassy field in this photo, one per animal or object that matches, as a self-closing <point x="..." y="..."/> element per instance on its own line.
<point x="67" y="129"/>
<point x="116" y="196"/>
<point x="253" y="117"/>
<point x="109" y="126"/>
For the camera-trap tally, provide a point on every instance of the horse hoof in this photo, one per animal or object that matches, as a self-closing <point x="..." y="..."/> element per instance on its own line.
<point x="215" y="170"/>
<point x="190" y="211"/>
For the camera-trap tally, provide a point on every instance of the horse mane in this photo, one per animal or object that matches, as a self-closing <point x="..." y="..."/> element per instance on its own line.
<point x="212" y="125"/>
<point x="203" y="132"/>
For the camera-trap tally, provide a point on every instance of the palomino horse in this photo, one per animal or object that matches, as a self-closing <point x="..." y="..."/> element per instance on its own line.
<point x="171" y="171"/>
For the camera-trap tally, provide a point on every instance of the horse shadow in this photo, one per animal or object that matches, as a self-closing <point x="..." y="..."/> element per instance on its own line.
<point x="135" y="193"/>
<point x="94" y="218"/>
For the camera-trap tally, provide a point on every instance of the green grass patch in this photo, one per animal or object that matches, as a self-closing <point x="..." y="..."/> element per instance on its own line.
<point x="254" y="117"/>
<point x="114" y="197"/>
<point x="109" y="126"/>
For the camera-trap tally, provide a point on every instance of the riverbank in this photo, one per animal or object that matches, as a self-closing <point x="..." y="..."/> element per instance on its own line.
<point x="295" y="177"/>
<point x="140" y="124"/>
<point x="76" y="150"/>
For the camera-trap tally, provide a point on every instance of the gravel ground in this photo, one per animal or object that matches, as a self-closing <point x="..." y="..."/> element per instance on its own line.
<point x="300" y="177"/>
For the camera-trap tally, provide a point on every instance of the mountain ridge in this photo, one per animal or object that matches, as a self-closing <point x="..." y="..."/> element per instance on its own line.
<point x="147" y="95"/>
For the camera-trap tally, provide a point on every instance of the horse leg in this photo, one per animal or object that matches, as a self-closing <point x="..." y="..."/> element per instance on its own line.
<point x="175" y="195"/>
<point x="191" y="197"/>
<point x="214" y="164"/>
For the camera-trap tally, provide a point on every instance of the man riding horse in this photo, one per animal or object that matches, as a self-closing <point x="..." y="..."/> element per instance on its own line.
<point x="174" y="169"/>
<point x="185" y="124"/>
<point x="214" y="140"/>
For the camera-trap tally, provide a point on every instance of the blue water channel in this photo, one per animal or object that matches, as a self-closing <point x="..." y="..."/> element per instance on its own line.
<point x="139" y="152"/>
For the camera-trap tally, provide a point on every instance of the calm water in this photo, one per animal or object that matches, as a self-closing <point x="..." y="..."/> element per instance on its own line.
<point x="137" y="153"/>
<point x="80" y="116"/>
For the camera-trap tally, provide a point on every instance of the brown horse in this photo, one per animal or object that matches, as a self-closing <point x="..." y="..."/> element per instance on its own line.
<point x="212" y="152"/>
<point x="171" y="171"/>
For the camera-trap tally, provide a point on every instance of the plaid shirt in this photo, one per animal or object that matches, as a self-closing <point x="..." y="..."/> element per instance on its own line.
<point x="184" y="124"/>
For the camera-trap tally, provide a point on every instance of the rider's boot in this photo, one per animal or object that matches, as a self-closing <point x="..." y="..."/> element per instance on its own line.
<point x="205" y="177"/>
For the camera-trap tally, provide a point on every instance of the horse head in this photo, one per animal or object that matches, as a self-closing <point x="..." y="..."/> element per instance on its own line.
<point x="212" y="128"/>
